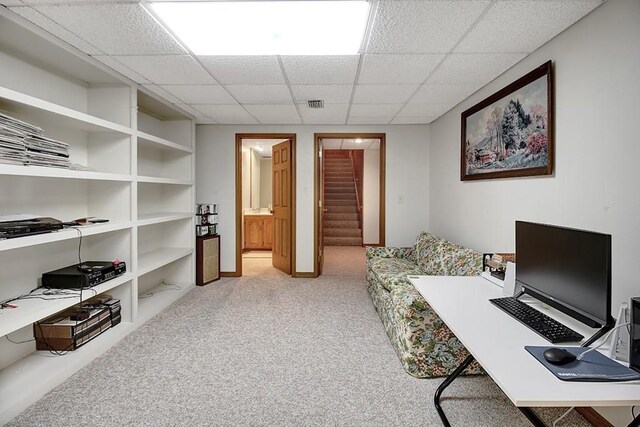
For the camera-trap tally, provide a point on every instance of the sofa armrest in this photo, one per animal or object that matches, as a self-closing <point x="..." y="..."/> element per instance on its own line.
<point x="390" y="252"/>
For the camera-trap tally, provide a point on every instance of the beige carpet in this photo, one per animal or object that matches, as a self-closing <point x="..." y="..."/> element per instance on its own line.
<point x="344" y="261"/>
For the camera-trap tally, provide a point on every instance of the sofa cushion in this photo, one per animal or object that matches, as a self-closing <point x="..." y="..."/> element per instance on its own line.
<point x="439" y="257"/>
<point x="388" y="270"/>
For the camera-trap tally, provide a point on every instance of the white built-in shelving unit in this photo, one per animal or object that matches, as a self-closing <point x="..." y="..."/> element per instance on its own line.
<point x="138" y="154"/>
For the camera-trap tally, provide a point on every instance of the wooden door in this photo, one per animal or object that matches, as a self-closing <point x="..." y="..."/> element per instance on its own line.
<point x="267" y="233"/>
<point x="321" y="208"/>
<point x="252" y="233"/>
<point x="281" y="175"/>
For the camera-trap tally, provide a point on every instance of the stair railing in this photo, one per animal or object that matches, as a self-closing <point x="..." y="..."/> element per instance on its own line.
<point x="356" y="171"/>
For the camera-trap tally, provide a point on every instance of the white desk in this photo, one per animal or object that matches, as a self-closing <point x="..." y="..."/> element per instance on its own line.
<point x="496" y="341"/>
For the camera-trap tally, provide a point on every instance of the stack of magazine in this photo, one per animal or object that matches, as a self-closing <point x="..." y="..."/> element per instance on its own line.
<point x="22" y="143"/>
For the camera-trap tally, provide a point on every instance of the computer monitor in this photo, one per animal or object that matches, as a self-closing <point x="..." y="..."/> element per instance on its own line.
<point x="566" y="268"/>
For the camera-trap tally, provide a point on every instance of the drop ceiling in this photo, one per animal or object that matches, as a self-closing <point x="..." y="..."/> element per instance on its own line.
<point x="419" y="59"/>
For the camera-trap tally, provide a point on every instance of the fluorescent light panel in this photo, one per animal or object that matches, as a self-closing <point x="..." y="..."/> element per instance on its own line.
<point x="267" y="27"/>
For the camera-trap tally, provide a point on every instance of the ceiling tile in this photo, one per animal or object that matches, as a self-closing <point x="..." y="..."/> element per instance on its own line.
<point x="330" y="114"/>
<point x="162" y="93"/>
<point x="374" y="110"/>
<point x="115" y="29"/>
<point x="331" y="144"/>
<point x="41" y="2"/>
<point x="369" y="120"/>
<point x="450" y="93"/>
<point x="420" y="120"/>
<point x="400" y="68"/>
<point x="328" y="69"/>
<point x="48" y="25"/>
<point x="422" y="26"/>
<point x="331" y="94"/>
<point x="271" y="114"/>
<point x="523" y="25"/>
<point x="253" y="70"/>
<point x="413" y="109"/>
<point x="261" y="94"/>
<point x="168" y="69"/>
<point x="469" y="68"/>
<point x="121" y="68"/>
<point x="200" y="117"/>
<point x="226" y="114"/>
<point x="200" y="94"/>
<point x="383" y="94"/>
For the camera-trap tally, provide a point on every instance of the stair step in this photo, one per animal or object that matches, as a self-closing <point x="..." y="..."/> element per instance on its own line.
<point x="338" y="195"/>
<point x="339" y="202"/>
<point x="343" y="189"/>
<point x="338" y="179"/>
<point x="341" y="224"/>
<point x="342" y="209"/>
<point x="341" y="216"/>
<point x="343" y="241"/>
<point x="342" y="232"/>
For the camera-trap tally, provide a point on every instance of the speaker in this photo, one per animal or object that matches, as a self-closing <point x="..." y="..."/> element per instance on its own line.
<point x="634" y="348"/>
<point x="207" y="259"/>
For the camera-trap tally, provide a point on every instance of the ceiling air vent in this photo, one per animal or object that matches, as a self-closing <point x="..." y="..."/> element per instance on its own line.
<point x="315" y="103"/>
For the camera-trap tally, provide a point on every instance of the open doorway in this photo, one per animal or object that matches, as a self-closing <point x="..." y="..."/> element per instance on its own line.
<point x="349" y="192"/>
<point x="265" y="204"/>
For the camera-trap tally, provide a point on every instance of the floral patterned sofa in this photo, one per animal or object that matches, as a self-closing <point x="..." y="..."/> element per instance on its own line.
<point x="425" y="345"/>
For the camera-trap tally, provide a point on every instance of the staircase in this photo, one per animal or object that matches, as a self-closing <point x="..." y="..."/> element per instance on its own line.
<point x="341" y="226"/>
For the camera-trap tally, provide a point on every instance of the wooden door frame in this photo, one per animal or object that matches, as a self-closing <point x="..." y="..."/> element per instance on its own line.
<point x="316" y="185"/>
<point x="239" y="138"/>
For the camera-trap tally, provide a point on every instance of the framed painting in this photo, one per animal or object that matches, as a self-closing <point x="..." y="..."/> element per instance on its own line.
<point x="510" y="133"/>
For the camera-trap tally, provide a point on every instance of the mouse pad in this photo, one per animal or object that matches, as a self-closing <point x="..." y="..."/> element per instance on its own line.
<point x="594" y="367"/>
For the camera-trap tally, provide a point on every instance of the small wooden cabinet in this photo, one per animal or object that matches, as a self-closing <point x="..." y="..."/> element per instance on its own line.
<point x="258" y="232"/>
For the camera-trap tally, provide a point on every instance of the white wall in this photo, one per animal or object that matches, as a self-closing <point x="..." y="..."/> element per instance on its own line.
<point x="406" y="171"/>
<point x="265" y="182"/>
<point x="256" y="203"/>
<point x="596" y="181"/>
<point x="371" y="197"/>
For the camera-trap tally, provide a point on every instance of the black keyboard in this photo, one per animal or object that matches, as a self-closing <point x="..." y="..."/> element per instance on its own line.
<point x="542" y="324"/>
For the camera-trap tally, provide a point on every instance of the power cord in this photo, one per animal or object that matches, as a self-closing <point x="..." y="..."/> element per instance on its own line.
<point x="633" y="412"/>
<point x="164" y="283"/>
<point x="606" y="337"/>
<point x="561" y="417"/>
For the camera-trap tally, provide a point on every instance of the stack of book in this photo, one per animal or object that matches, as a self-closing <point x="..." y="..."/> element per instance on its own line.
<point x="43" y="151"/>
<point x="66" y="332"/>
<point x="22" y="143"/>
<point x="12" y="147"/>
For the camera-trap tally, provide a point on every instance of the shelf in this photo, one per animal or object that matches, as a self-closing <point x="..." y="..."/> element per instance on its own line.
<point x="158" y="180"/>
<point x="44" y="172"/>
<point x="155" y="259"/>
<point x="37" y="107"/>
<point x="32" y="310"/>
<point x="157" y="218"/>
<point x="65" y="234"/>
<point x="154" y="304"/>
<point x="29" y="379"/>
<point x="160" y="143"/>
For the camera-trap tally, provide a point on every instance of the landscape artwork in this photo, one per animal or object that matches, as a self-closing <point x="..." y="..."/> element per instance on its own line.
<point x="509" y="133"/>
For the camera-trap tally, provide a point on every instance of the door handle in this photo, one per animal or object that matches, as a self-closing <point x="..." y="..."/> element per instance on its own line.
<point x="325" y="210"/>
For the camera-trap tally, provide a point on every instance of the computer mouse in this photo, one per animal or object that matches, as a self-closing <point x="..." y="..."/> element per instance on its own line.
<point x="558" y="356"/>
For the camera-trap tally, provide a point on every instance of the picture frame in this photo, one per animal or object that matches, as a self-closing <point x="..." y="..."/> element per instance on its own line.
<point x="510" y="133"/>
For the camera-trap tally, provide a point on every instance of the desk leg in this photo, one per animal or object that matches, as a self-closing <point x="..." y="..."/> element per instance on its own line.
<point x="445" y="384"/>
<point x="532" y="417"/>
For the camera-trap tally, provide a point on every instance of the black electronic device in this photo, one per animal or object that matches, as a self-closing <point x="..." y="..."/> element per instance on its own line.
<point x="634" y="348"/>
<point x="28" y="227"/>
<point x="558" y="356"/>
<point x="540" y="323"/>
<point x="85" y="275"/>
<point x="568" y="269"/>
